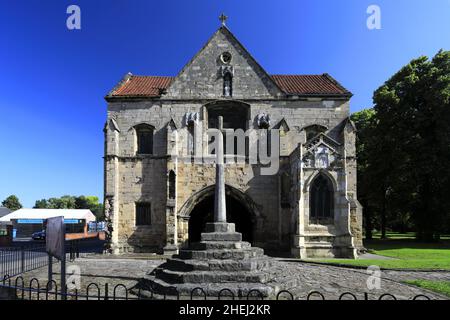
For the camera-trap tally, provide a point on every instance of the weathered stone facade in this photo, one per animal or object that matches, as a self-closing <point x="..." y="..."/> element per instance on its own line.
<point x="278" y="205"/>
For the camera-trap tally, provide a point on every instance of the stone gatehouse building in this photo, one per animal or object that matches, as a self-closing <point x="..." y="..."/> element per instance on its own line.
<point x="157" y="202"/>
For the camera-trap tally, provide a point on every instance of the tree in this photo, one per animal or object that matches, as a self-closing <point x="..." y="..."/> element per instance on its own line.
<point x="364" y="121"/>
<point x="72" y="202"/>
<point x="12" y="203"/>
<point x="413" y="126"/>
<point x="91" y="203"/>
<point x="373" y="171"/>
<point x="41" y="204"/>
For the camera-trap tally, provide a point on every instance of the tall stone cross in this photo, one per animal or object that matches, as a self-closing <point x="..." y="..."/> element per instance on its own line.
<point x="223" y="18"/>
<point x="220" y="210"/>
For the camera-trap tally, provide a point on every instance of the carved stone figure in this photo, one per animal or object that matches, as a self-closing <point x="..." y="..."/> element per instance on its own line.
<point x="263" y="120"/>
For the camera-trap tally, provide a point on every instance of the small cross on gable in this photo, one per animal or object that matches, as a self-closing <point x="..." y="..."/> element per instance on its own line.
<point x="223" y="18"/>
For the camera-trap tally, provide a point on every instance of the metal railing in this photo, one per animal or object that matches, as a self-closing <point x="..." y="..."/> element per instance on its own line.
<point x="33" y="290"/>
<point x="19" y="259"/>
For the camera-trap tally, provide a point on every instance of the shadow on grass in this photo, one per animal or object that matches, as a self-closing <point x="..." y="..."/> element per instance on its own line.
<point x="392" y="244"/>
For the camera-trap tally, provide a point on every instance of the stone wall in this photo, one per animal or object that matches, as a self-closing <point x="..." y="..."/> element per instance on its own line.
<point x="140" y="178"/>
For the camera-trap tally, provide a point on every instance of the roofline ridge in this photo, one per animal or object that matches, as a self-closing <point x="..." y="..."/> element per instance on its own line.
<point x="335" y="82"/>
<point x="124" y="80"/>
<point x="297" y="74"/>
<point x="148" y="76"/>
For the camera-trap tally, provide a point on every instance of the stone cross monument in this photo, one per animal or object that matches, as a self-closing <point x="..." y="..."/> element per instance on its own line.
<point x="220" y="208"/>
<point x="221" y="260"/>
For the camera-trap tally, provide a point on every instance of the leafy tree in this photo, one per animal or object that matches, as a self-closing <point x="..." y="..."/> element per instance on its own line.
<point x="41" y="204"/>
<point x="409" y="147"/>
<point x="364" y="121"/>
<point x="72" y="202"/>
<point x="12" y="203"/>
<point x="91" y="203"/>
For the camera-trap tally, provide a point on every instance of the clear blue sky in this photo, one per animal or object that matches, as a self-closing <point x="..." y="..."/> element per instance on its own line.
<point x="53" y="80"/>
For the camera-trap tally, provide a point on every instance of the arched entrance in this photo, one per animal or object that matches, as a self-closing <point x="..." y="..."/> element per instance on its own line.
<point x="203" y="212"/>
<point x="241" y="210"/>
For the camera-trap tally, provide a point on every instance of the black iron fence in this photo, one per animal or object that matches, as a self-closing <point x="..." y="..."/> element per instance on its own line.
<point x="23" y="258"/>
<point x="13" y="289"/>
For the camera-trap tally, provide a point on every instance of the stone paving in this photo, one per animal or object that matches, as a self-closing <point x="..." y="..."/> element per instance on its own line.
<point x="298" y="277"/>
<point x="332" y="281"/>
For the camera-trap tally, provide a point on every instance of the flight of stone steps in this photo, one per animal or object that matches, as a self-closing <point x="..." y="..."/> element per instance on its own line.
<point x="220" y="261"/>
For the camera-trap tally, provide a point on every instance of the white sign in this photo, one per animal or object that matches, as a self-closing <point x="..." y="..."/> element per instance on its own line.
<point x="55" y="237"/>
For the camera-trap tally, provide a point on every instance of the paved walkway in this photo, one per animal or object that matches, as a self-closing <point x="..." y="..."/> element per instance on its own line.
<point x="297" y="277"/>
<point x="332" y="281"/>
<point x="372" y="256"/>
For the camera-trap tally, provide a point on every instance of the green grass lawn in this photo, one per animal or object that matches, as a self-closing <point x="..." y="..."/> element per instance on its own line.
<point x="437" y="286"/>
<point x="409" y="253"/>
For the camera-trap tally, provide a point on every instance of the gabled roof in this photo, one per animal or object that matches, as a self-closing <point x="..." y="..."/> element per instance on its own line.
<point x="261" y="73"/>
<point x="323" y="85"/>
<point x="4" y="211"/>
<point x="302" y="85"/>
<point x="282" y="123"/>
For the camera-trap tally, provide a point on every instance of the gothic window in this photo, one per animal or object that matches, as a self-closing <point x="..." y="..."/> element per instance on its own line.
<point x="172" y="184"/>
<point x="144" y="134"/>
<point x="321" y="203"/>
<point x="227" y="85"/>
<point x="313" y="131"/>
<point x="143" y="214"/>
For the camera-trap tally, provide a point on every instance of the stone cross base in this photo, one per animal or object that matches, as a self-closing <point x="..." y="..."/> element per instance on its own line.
<point x="221" y="260"/>
<point x="220" y="227"/>
<point x="221" y="231"/>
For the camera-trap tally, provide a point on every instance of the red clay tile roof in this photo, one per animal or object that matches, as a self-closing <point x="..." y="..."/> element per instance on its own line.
<point x="153" y="86"/>
<point x="142" y="86"/>
<point x="322" y="84"/>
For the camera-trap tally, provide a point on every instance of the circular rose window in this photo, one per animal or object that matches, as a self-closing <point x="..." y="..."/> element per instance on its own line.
<point x="225" y="57"/>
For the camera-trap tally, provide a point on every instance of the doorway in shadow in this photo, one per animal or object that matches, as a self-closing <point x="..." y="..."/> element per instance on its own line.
<point x="237" y="213"/>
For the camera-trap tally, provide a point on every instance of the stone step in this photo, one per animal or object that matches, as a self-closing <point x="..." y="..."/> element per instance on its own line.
<point x="221" y="254"/>
<point x="321" y="244"/>
<point x="177" y="277"/>
<point x="251" y="264"/>
<point x="221" y="236"/>
<point x="155" y="288"/>
<point x="220" y="227"/>
<point x="205" y="245"/>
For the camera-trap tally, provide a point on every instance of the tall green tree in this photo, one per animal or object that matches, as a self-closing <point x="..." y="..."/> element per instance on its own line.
<point x="373" y="171"/>
<point x="12" y="203"/>
<point x="413" y="126"/>
<point x="364" y="121"/>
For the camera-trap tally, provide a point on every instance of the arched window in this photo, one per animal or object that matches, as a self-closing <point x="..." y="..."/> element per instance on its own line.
<point x="314" y="130"/>
<point x="227" y="85"/>
<point x="321" y="203"/>
<point x="144" y="135"/>
<point x="172" y="184"/>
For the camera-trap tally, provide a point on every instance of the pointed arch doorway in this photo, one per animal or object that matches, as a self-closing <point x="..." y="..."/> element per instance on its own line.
<point x="241" y="210"/>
